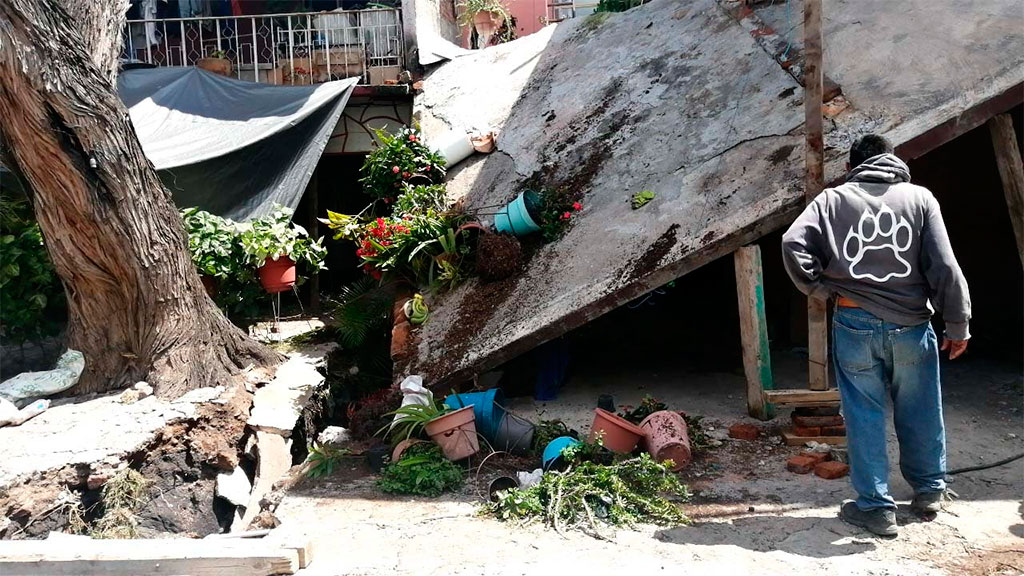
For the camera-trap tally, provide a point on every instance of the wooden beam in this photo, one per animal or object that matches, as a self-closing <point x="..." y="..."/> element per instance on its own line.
<point x="757" y="362"/>
<point x="313" y="199"/>
<point x="794" y="440"/>
<point x="802" y="397"/>
<point x="1011" y="171"/>
<point x="73" y="557"/>
<point x="814" y="183"/>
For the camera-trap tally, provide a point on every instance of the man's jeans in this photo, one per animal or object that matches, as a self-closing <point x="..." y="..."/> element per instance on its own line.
<point x="873" y="359"/>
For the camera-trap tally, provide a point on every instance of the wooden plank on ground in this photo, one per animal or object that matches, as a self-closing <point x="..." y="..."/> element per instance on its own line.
<point x="814" y="182"/>
<point x="1011" y="171"/>
<point x="757" y="362"/>
<point x="802" y="396"/>
<point x="794" y="440"/>
<point x="134" y="557"/>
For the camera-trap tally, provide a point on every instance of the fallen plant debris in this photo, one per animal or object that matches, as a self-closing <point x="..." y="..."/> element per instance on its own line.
<point x="422" y="470"/>
<point x="588" y="494"/>
<point x="122" y="496"/>
<point x="640" y="199"/>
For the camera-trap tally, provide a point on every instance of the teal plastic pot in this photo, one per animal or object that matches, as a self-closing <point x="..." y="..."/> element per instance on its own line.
<point x="515" y="217"/>
<point x="486" y="409"/>
<point x="553" y="451"/>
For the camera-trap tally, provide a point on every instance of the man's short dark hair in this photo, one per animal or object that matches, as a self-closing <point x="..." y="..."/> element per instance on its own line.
<point x="868" y="146"/>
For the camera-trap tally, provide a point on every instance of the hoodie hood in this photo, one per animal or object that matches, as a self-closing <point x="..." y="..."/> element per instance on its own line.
<point x="884" y="168"/>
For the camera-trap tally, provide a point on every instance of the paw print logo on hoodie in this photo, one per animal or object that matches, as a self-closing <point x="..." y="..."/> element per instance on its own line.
<point x="875" y="248"/>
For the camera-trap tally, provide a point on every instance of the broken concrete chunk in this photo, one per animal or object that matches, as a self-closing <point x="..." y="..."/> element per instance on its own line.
<point x="129" y="396"/>
<point x="143" y="388"/>
<point x="234" y="487"/>
<point x="278" y="405"/>
<point x="274" y="454"/>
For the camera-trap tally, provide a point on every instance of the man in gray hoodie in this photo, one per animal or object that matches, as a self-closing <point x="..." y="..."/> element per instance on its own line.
<point x="879" y="246"/>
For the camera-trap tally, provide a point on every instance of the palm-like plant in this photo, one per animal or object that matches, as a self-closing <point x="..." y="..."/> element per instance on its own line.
<point x="412" y="418"/>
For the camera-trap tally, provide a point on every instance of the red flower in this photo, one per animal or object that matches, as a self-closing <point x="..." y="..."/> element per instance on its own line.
<point x="566" y="216"/>
<point x="406" y="175"/>
<point x="412" y="137"/>
<point x="427" y="169"/>
<point x="396" y="169"/>
<point x="577" y="206"/>
<point x="376" y="274"/>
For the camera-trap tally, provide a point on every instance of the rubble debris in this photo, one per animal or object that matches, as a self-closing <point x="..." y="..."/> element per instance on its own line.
<point x="744" y="432"/>
<point x="11" y="416"/>
<point x="278" y="405"/>
<point x="817" y="457"/>
<point x="334" y="436"/>
<point x="273" y="460"/>
<point x="234" y="487"/>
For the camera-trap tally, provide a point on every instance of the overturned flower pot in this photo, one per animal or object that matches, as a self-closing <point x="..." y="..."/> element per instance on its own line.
<point x="455" y="433"/>
<point x="667" y="438"/>
<point x="618" y="434"/>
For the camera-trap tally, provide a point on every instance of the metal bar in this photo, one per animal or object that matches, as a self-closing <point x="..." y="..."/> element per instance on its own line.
<point x="149" y="46"/>
<point x="255" y="57"/>
<point x="814" y="182"/>
<point x="184" y="54"/>
<point x="291" y="51"/>
<point x="167" y="46"/>
<point x="309" y="46"/>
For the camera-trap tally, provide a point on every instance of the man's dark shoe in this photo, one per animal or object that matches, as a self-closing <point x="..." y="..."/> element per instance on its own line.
<point x="928" y="502"/>
<point x="880" y="521"/>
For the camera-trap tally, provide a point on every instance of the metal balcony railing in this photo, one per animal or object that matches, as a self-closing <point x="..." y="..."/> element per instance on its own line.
<point x="295" y="48"/>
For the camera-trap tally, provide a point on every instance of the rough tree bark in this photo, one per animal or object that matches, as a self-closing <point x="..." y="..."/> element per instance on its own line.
<point x="137" y="308"/>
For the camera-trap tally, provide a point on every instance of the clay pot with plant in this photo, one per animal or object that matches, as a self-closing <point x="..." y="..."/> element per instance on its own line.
<point x="274" y="244"/>
<point x="454" y="431"/>
<point x="217" y="62"/>
<point x="486" y="17"/>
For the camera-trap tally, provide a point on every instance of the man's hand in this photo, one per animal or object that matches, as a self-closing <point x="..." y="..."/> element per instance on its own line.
<point x="955" y="347"/>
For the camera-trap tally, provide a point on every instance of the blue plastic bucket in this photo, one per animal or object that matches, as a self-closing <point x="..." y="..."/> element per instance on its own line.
<point x="553" y="451"/>
<point x="514" y="218"/>
<point x="487" y="409"/>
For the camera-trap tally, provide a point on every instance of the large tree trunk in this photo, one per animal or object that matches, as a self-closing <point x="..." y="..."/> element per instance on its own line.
<point x="137" y="308"/>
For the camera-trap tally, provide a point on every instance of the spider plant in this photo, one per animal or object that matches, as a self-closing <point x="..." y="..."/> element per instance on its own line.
<point x="411" y="419"/>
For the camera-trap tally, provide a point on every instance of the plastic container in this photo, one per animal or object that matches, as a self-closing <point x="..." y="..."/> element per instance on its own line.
<point x="455" y="433"/>
<point x="667" y="438"/>
<point x="515" y="217"/>
<point x="378" y="457"/>
<point x="486" y="409"/>
<point x="501" y="483"/>
<point x="277" y="275"/>
<point x="515" y="435"/>
<point x="553" y="451"/>
<point x="620" y="435"/>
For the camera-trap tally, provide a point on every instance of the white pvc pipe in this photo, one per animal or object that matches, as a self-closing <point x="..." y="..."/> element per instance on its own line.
<point x="455" y="146"/>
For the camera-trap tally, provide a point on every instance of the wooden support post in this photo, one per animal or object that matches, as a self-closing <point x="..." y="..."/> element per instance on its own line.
<point x="814" y="182"/>
<point x="312" y="199"/>
<point x="757" y="362"/>
<point x="1011" y="171"/>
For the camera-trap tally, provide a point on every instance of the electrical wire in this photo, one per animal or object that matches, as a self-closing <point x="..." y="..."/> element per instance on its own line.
<point x="1002" y="462"/>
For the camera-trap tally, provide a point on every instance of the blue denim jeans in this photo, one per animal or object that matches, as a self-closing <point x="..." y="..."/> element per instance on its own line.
<point x="875" y="359"/>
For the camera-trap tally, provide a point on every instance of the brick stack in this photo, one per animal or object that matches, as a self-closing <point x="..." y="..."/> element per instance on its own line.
<point x="815" y="422"/>
<point x="820" y="463"/>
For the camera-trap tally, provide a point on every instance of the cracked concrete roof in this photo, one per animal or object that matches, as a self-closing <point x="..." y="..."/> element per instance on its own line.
<point x="681" y="100"/>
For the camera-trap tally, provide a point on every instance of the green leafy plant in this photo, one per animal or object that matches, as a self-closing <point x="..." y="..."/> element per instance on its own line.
<point x="546" y="431"/>
<point x="617" y="5"/>
<point x="32" y="301"/>
<point x="649" y="405"/>
<point x="421" y="199"/>
<point x="323" y="459"/>
<point x="275" y="235"/>
<point x="640" y="199"/>
<point x="213" y="243"/>
<point x="360" y="309"/>
<point x="422" y="470"/>
<point x="411" y="419"/>
<point x="588" y="493"/>
<point x="699" y="439"/>
<point x="398" y="160"/>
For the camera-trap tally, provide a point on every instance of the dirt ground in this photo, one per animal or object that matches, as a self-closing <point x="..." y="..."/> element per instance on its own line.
<point x="749" y="514"/>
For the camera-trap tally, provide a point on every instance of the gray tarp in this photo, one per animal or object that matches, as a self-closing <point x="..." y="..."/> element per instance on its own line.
<point x="233" y="148"/>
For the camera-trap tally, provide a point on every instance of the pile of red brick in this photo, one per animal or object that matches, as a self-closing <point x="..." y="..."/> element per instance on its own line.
<point x="820" y="463"/>
<point x="816" y="422"/>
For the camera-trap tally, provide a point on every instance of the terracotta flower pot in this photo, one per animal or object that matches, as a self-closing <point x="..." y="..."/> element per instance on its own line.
<point x="277" y="275"/>
<point x="666" y="438"/>
<point x="620" y="435"/>
<point x="402" y="446"/>
<point x="220" y="66"/>
<point x="486" y="24"/>
<point x="455" y="433"/>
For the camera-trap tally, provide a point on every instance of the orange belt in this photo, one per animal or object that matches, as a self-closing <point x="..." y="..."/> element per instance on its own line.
<point x="844" y="302"/>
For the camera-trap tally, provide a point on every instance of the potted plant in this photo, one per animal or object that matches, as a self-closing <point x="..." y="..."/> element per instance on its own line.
<point x="486" y="16"/>
<point x="213" y="246"/>
<point x="549" y="212"/>
<point x="454" y="431"/>
<point x="216" y="62"/>
<point x="399" y="159"/>
<point x="274" y="244"/>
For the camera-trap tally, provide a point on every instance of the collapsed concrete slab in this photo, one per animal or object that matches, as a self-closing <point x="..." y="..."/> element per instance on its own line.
<point x="676" y="99"/>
